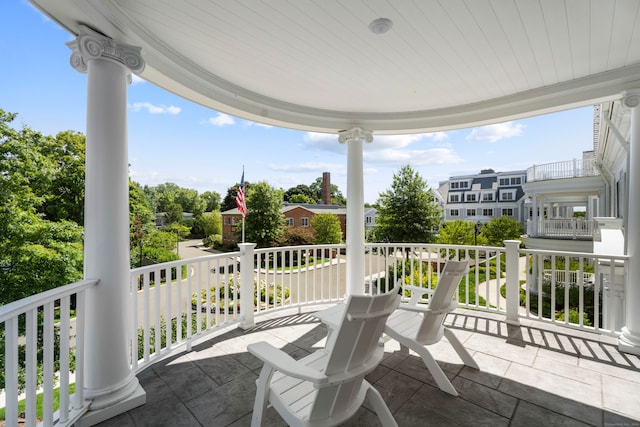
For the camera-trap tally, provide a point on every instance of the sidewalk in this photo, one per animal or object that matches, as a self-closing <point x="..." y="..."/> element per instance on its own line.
<point x="494" y="298"/>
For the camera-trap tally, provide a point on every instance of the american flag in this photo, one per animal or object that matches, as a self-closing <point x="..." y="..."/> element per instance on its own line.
<point x="240" y="202"/>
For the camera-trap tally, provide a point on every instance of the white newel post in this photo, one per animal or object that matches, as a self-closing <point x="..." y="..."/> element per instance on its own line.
<point x="629" y="341"/>
<point x="512" y="281"/>
<point x="246" y="285"/>
<point x="110" y="383"/>
<point x="355" y="208"/>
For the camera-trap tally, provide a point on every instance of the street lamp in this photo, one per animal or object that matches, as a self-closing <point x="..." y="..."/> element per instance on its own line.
<point x="141" y="243"/>
<point x="476" y="232"/>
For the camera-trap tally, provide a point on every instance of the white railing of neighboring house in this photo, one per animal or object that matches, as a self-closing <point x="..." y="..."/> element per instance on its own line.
<point x="566" y="169"/>
<point x="177" y="302"/>
<point x="578" y="290"/>
<point x="567" y="228"/>
<point x="36" y="329"/>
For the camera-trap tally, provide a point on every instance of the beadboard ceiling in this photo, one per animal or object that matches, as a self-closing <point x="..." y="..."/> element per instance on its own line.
<point x="315" y="65"/>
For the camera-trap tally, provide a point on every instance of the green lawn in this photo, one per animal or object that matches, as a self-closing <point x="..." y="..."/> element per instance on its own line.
<point x="56" y="402"/>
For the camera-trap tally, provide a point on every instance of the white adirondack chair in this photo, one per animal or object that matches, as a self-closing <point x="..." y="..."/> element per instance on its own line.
<point x="327" y="387"/>
<point x="420" y="323"/>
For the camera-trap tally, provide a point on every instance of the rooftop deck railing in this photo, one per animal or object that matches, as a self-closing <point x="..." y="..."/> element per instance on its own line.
<point x="566" y="169"/>
<point x="177" y="302"/>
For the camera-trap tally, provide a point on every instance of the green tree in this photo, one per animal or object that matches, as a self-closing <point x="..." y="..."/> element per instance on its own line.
<point x="173" y="213"/>
<point x="36" y="254"/>
<point x="264" y="223"/>
<point x="190" y="201"/>
<point x="139" y="205"/>
<point x="336" y="196"/>
<point x="459" y="232"/>
<point x="299" y="189"/>
<point x="407" y="211"/>
<point x="327" y="229"/>
<point x="301" y="198"/>
<point x="210" y="223"/>
<point x="499" y="229"/>
<point x="211" y="200"/>
<point x="64" y="197"/>
<point x="229" y="201"/>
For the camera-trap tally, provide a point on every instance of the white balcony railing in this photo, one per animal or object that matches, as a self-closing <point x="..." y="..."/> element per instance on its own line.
<point x="566" y="169"/>
<point x="30" y="348"/>
<point x="565" y="228"/>
<point x="175" y="303"/>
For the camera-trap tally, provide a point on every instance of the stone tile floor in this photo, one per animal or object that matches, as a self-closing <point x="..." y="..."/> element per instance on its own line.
<point x="534" y="374"/>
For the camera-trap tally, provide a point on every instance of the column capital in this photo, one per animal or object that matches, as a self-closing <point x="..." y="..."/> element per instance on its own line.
<point x="92" y="45"/>
<point x="631" y="98"/>
<point x="355" y="134"/>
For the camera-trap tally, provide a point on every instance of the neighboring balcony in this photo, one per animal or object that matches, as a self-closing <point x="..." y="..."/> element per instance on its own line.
<point x="542" y="324"/>
<point x="575" y="168"/>
<point x="563" y="228"/>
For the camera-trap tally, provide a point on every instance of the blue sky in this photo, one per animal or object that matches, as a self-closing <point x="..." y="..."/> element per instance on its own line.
<point x="174" y="140"/>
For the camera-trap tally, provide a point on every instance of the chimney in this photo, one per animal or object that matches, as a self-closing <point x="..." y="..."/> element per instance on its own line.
<point x="326" y="188"/>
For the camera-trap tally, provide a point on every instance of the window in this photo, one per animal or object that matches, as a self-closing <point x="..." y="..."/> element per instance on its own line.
<point x="368" y="220"/>
<point x="454" y="212"/>
<point x="234" y="220"/>
<point x="471" y="197"/>
<point x="455" y="185"/>
<point x="464" y="184"/>
<point x="454" y="197"/>
<point x="471" y="212"/>
<point x="504" y="181"/>
<point x="507" y="212"/>
<point x="507" y="195"/>
<point x="289" y="222"/>
<point x="487" y="212"/>
<point x="487" y="197"/>
<point x="304" y="221"/>
<point x="516" y="181"/>
<point x="226" y="220"/>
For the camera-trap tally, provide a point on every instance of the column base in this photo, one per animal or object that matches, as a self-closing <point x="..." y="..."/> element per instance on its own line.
<point x="115" y="406"/>
<point x="629" y="342"/>
<point x="93" y="417"/>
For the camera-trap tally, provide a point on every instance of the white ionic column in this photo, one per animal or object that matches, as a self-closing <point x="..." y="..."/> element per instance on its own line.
<point x="629" y="341"/>
<point x="355" y="208"/>
<point x="109" y="380"/>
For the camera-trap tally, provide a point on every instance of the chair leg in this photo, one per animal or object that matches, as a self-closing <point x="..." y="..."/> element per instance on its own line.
<point x="262" y="396"/>
<point x="436" y="371"/>
<point x="459" y="348"/>
<point x="380" y="406"/>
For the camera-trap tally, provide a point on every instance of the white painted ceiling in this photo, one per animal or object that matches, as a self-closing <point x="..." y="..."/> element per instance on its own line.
<point x="315" y="65"/>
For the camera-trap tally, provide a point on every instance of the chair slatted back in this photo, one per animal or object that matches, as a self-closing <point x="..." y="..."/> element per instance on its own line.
<point x="351" y="346"/>
<point x="441" y="302"/>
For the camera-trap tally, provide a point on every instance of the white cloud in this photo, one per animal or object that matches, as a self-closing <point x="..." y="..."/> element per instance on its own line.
<point x="306" y="167"/>
<point x="155" y="109"/>
<point x="496" y="132"/>
<point x="432" y="156"/>
<point x="221" y="120"/>
<point x="438" y="136"/>
<point x="261" y="125"/>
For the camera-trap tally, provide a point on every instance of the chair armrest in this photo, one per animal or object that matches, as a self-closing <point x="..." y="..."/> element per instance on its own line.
<point x="331" y="316"/>
<point x="418" y="308"/>
<point x="419" y="290"/>
<point x="284" y="363"/>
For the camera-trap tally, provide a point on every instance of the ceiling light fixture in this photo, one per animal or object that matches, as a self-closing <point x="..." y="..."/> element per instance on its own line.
<point x="380" y="25"/>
